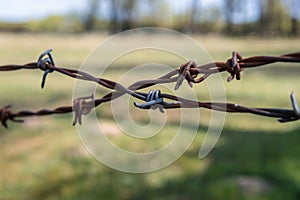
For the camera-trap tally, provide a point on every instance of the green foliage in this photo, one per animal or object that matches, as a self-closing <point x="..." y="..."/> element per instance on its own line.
<point x="68" y="23"/>
<point x="231" y="17"/>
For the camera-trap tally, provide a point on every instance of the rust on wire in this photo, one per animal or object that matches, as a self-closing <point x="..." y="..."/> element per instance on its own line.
<point x="82" y="107"/>
<point x="6" y="114"/>
<point x="189" y="71"/>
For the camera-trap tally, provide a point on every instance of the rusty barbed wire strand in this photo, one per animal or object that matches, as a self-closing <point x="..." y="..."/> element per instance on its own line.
<point x="154" y="99"/>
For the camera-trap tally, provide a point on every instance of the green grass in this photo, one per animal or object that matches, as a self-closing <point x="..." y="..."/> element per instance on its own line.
<point x="255" y="157"/>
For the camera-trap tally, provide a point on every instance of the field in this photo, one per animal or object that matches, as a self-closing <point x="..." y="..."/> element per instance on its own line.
<point x="44" y="158"/>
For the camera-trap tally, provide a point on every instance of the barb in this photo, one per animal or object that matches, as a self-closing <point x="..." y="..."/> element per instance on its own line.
<point x="82" y="107"/>
<point x="154" y="99"/>
<point x="233" y="66"/>
<point x="42" y="64"/>
<point x="7" y="115"/>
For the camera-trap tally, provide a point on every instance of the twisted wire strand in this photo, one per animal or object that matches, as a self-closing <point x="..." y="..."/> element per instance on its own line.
<point x="189" y="71"/>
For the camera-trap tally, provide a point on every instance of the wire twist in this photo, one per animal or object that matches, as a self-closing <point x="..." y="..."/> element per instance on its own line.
<point x="43" y="63"/>
<point x="155" y="99"/>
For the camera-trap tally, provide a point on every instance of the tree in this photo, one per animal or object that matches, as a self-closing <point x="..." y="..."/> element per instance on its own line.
<point x="121" y="15"/>
<point x="89" y="22"/>
<point x="273" y="17"/>
<point x="232" y="8"/>
<point x="128" y="10"/>
<point x="114" y="17"/>
<point x="193" y="12"/>
<point x="294" y="6"/>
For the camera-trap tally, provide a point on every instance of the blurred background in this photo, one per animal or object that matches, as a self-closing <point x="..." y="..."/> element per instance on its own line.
<point x="230" y="17"/>
<point x="255" y="157"/>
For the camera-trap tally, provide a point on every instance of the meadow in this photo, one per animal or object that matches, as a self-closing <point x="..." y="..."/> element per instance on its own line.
<point x="255" y="157"/>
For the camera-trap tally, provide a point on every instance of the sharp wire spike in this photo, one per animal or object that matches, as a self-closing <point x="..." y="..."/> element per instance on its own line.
<point x="153" y="101"/>
<point x="44" y="78"/>
<point x="42" y="64"/>
<point x="295" y="104"/>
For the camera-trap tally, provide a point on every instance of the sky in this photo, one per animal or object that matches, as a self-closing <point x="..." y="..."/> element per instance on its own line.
<point x="20" y="10"/>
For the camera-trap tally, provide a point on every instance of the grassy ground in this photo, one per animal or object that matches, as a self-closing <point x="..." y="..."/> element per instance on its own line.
<point x="255" y="157"/>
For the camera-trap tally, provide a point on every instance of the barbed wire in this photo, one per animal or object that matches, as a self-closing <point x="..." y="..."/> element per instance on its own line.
<point x="189" y="71"/>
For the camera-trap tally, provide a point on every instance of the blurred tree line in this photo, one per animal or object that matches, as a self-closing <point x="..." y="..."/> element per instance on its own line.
<point x="232" y="17"/>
